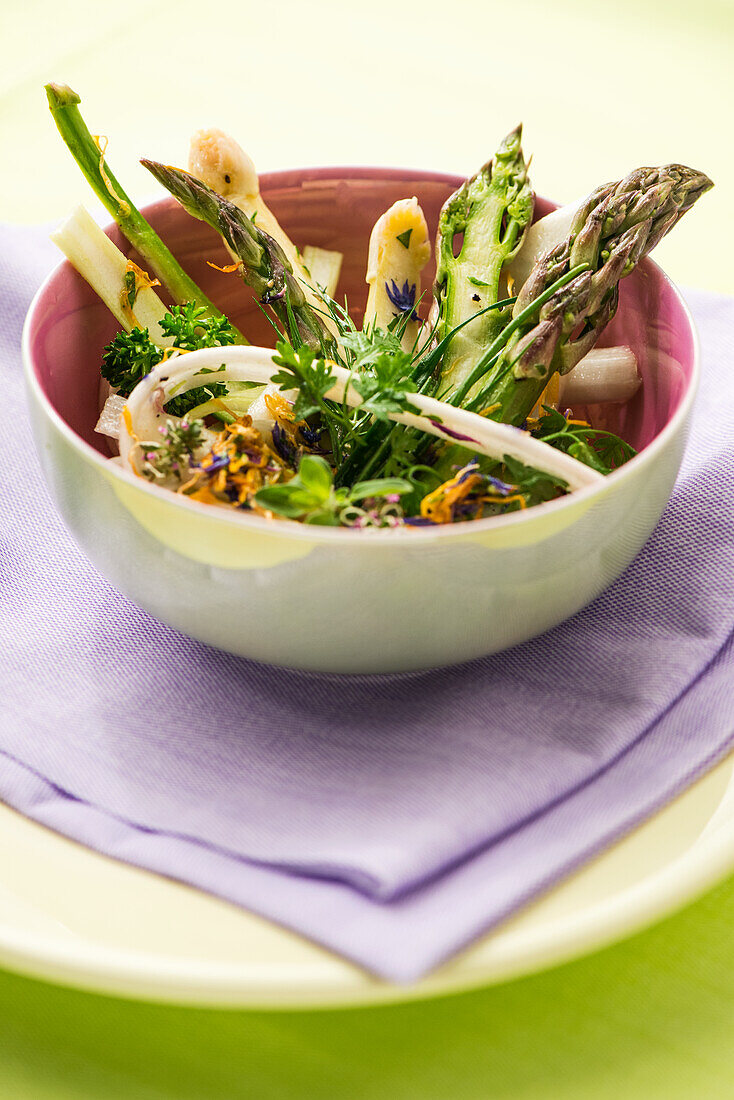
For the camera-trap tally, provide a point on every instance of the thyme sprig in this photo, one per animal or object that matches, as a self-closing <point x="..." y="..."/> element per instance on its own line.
<point x="172" y="456"/>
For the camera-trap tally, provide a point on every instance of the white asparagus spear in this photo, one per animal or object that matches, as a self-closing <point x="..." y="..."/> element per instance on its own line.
<point x="604" y="375"/>
<point x="542" y="235"/>
<point x="100" y="262"/>
<point x="324" y="266"/>
<point x="399" y="250"/>
<point x="142" y="417"/>
<point x="218" y="161"/>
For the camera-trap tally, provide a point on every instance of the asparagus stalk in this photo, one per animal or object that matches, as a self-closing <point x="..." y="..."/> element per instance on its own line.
<point x="264" y="265"/>
<point x="492" y="210"/>
<point x="324" y="265"/>
<point x="543" y="235"/>
<point x="63" y="103"/>
<point x="605" y="375"/>
<point x="572" y="291"/>
<point x="222" y="164"/>
<point x="399" y="250"/>
<point x="123" y="288"/>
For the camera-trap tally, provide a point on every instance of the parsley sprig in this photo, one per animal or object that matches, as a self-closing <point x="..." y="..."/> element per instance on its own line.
<point x="192" y="328"/>
<point x="132" y="355"/>
<point x="311" y="377"/>
<point x="385" y="385"/>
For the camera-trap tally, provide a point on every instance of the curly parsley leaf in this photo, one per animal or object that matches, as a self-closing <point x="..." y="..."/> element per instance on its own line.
<point x="192" y="328"/>
<point x="128" y="358"/>
<point x="132" y="355"/>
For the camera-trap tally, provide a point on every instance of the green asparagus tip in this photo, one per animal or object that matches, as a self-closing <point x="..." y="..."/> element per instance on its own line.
<point x="61" y="95"/>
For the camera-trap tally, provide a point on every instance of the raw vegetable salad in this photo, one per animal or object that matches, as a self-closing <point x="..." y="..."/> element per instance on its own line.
<point x="443" y="405"/>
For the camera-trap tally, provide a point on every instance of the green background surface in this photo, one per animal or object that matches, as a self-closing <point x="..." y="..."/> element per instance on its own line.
<point x="651" y="1018"/>
<point x="600" y="91"/>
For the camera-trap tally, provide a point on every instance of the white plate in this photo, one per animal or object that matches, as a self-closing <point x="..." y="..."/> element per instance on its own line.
<point x="75" y="917"/>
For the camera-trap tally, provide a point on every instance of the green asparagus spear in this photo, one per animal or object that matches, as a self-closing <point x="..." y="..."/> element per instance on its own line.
<point x="63" y="103"/>
<point x="265" y="267"/>
<point x="492" y="210"/>
<point x="549" y="332"/>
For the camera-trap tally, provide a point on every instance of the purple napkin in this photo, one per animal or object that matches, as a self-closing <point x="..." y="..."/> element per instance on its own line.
<point x="391" y="818"/>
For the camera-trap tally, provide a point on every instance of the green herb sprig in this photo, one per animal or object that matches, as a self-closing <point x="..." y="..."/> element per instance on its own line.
<point x="132" y="355"/>
<point x="172" y="456"/>
<point x="601" y="450"/>
<point x="310" y="496"/>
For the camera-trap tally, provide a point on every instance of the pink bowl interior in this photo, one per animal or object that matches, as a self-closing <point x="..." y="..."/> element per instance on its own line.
<point x="336" y="208"/>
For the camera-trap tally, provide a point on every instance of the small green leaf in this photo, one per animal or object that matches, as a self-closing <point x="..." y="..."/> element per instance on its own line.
<point x="314" y="473"/>
<point x="477" y="282"/>
<point x="380" y="487"/>
<point x="586" y="454"/>
<point x="323" y="519"/>
<point x="404" y="238"/>
<point x="131" y="287"/>
<point x="285" y="500"/>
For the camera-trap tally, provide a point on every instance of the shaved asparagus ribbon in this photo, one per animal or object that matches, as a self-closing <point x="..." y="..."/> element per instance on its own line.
<point x="143" y="416"/>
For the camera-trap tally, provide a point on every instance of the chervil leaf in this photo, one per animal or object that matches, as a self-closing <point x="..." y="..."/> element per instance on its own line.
<point x="550" y="424"/>
<point x="586" y="454"/>
<point x="302" y="371"/>
<point x="368" y="346"/>
<point x="384" y="386"/>
<point x="536" y="485"/>
<point x="601" y="450"/>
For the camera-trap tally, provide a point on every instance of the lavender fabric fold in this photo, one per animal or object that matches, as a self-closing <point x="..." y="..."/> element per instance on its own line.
<point x="390" y="818"/>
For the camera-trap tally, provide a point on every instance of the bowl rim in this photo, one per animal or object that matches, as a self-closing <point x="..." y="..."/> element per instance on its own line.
<point x="314" y="533"/>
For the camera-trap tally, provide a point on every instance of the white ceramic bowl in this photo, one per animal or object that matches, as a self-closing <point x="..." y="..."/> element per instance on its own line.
<point x="332" y="599"/>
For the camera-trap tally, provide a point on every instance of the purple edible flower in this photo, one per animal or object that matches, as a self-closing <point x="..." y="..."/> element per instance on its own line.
<point x="270" y="296"/>
<point x="463" y="510"/>
<point x="403" y="298"/>
<point x="419" y="521"/>
<point x="283" y="445"/>
<point x="218" y="462"/>
<point x="468" y="471"/>
<point x="312" y="436"/>
<point x="500" y="487"/>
